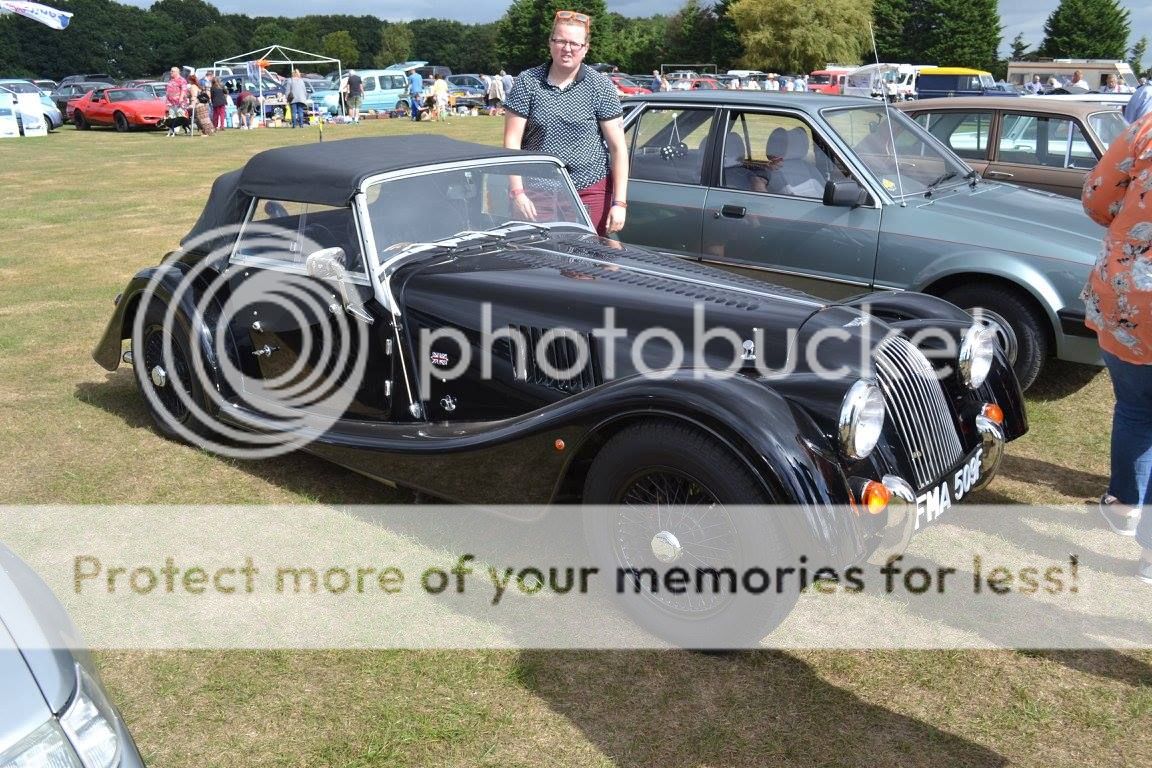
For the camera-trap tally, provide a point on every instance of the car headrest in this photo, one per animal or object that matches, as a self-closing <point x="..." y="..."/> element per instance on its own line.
<point x="777" y="145"/>
<point x="797" y="143"/>
<point x="734" y="151"/>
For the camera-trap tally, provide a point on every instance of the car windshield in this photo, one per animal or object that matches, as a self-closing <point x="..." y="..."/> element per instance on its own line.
<point x="919" y="163"/>
<point x="1107" y="126"/>
<point x="133" y="94"/>
<point x="19" y="87"/>
<point x="435" y="206"/>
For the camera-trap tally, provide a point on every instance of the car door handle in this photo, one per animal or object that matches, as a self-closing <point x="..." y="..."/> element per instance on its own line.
<point x="997" y="175"/>
<point x="732" y="212"/>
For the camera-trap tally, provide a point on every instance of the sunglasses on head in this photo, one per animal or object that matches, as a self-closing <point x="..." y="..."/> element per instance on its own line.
<point x="579" y="18"/>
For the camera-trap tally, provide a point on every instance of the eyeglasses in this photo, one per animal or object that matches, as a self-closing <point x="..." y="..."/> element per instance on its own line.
<point x="562" y="43"/>
<point x="579" y="18"/>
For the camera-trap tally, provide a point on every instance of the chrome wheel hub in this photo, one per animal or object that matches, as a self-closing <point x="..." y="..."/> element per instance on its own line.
<point x="666" y="547"/>
<point x="159" y="377"/>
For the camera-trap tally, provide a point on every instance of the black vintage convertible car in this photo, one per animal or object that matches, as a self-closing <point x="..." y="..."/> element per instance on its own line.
<point x="378" y="303"/>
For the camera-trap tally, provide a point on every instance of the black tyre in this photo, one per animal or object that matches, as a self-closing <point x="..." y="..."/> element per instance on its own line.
<point x="1015" y="319"/>
<point x="673" y="493"/>
<point x="80" y="122"/>
<point x="48" y="123"/>
<point x="120" y="120"/>
<point x="167" y="378"/>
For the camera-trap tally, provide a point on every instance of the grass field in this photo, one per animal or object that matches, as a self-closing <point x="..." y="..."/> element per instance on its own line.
<point x="82" y="212"/>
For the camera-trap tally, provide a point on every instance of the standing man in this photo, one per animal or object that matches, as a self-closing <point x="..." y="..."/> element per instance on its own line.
<point x="506" y="80"/>
<point x="566" y="108"/>
<point x="1079" y="82"/>
<point x="298" y="97"/>
<point x="174" y="92"/>
<point x="1036" y="86"/>
<point x="354" y="87"/>
<point x="415" y="91"/>
<point x="1139" y="105"/>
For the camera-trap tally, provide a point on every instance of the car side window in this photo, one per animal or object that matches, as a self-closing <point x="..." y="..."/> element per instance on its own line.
<point x="369" y="83"/>
<point x="669" y="144"/>
<point x="965" y="133"/>
<point x="288" y="232"/>
<point x="777" y="154"/>
<point x="1053" y="142"/>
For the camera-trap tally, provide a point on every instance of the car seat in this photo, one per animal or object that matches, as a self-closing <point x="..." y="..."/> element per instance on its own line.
<point x="793" y="173"/>
<point x="736" y="174"/>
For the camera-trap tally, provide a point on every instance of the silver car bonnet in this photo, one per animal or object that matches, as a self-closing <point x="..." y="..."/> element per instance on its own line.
<point x="1003" y="217"/>
<point x="39" y="626"/>
<point x="22" y="705"/>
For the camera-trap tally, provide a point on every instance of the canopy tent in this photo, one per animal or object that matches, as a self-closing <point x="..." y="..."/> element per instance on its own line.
<point x="282" y="54"/>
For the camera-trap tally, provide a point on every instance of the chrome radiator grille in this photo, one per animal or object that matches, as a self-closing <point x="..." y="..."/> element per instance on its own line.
<point x="918" y="409"/>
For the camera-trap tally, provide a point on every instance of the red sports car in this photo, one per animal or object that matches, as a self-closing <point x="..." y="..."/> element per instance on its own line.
<point x="123" y="108"/>
<point x="626" y="87"/>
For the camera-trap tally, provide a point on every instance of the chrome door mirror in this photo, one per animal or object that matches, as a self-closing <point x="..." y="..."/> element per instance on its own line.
<point x="328" y="264"/>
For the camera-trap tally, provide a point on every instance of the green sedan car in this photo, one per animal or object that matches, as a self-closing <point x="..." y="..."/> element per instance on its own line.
<point x="837" y="196"/>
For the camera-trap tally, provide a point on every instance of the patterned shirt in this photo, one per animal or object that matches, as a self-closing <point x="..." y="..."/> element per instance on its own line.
<point x="1118" y="296"/>
<point x="565" y="122"/>
<point x="174" y="91"/>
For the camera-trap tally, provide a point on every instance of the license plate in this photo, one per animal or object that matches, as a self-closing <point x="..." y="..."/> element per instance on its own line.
<point x="938" y="499"/>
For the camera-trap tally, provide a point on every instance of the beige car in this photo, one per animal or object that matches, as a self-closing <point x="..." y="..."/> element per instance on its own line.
<point x="1037" y="142"/>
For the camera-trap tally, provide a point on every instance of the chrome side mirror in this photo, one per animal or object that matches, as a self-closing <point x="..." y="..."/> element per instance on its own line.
<point x="328" y="264"/>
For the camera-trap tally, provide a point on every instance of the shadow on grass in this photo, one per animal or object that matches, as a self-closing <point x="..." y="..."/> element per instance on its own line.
<point x="1064" y="480"/>
<point x="299" y="473"/>
<point x="1061" y="379"/>
<point x="756" y="708"/>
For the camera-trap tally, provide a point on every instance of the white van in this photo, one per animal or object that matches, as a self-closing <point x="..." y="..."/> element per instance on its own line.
<point x="1095" y="71"/>
<point x="895" y="82"/>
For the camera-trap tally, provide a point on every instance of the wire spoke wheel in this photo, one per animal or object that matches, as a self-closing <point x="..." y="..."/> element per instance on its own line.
<point x="678" y="521"/>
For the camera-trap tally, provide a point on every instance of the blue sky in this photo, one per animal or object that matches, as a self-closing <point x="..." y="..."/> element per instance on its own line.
<point x="1025" y="16"/>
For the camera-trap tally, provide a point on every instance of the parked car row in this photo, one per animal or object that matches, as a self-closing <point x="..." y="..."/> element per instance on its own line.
<point x="51" y="115"/>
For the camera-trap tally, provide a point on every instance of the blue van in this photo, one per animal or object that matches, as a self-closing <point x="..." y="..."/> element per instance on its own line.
<point x="383" y="90"/>
<point x="937" y="82"/>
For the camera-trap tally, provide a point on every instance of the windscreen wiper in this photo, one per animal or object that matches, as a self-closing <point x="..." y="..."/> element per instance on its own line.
<point x="938" y="181"/>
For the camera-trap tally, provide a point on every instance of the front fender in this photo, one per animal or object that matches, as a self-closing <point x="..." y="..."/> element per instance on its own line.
<point x="1024" y="274"/>
<point x="160" y="284"/>
<point x="778" y="442"/>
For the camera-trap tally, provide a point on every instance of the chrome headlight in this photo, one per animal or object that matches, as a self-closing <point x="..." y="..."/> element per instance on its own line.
<point x="976" y="352"/>
<point x="861" y="419"/>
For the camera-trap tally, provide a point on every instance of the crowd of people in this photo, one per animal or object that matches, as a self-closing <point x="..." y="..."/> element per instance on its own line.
<point x="203" y="102"/>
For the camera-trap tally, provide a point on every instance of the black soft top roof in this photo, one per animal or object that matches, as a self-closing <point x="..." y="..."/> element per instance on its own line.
<point x="330" y="172"/>
<point x="327" y="172"/>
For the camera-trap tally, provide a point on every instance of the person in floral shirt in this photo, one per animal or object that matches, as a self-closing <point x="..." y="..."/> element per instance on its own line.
<point x="174" y="92"/>
<point x="1118" y="303"/>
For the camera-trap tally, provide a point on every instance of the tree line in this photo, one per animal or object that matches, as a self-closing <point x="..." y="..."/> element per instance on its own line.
<point x="772" y="35"/>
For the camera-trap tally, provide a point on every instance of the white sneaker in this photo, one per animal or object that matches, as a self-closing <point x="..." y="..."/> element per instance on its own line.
<point x="1121" y="518"/>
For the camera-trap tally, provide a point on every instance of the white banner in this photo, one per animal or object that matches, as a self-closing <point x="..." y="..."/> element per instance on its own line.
<point x="8" y="126"/>
<point x="518" y="577"/>
<point x="41" y="13"/>
<point x="31" y="114"/>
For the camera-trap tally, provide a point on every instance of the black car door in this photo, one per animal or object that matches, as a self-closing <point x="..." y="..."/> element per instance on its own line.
<point x="308" y="342"/>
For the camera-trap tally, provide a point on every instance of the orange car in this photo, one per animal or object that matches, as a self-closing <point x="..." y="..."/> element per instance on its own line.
<point x="122" y="108"/>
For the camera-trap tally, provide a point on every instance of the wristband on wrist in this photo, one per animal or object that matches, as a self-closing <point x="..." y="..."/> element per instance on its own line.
<point x="515" y="193"/>
<point x="619" y="204"/>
